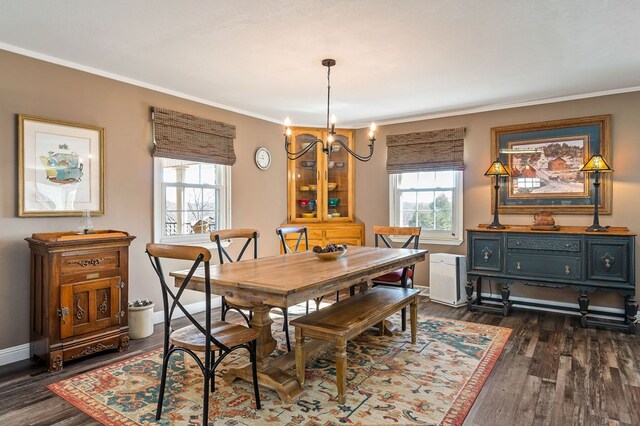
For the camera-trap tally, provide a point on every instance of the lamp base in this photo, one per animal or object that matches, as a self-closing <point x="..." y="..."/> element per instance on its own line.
<point x="597" y="228"/>
<point x="496" y="225"/>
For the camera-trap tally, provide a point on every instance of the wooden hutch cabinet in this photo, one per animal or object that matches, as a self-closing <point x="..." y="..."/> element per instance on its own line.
<point x="79" y="294"/>
<point x="321" y="191"/>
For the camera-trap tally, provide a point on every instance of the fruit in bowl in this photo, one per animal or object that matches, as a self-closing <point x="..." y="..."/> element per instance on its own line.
<point x="330" y="252"/>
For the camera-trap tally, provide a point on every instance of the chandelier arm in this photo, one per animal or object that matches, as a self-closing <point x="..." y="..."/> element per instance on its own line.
<point x="358" y="156"/>
<point x="297" y="154"/>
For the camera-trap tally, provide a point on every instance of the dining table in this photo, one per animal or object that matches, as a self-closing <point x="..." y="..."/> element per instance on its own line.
<point x="284" y="281"/>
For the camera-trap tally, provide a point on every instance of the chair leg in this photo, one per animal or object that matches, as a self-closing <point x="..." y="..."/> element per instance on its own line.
<point x="205" y="396"/>
<point x="285" y="328"/>
<point x="213" y="373"/>
<point x="404" y="319"/>
<point x="223" y="310"/>
<point x="163" y="382"/>
<point x="337" y="296"/>
<point x="254" y="372"/>
<point x="307" y="308"/>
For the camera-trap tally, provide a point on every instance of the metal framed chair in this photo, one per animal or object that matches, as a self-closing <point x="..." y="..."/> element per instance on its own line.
<point x="400" y="277"/>
<point x="206" y="337"/>
<point x="247" y="236"/>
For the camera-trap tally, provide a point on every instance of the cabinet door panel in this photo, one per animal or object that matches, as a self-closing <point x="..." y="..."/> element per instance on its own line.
<point x="89" y="306"/>
<point x="486" y="252"/>
<point x="608" y="259"/>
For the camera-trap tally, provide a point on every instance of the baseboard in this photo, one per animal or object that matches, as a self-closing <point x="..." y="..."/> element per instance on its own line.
<point x="22" y="352"/>
<point x="595" y="311"/>
<point x="424" y="291"/>
<point x="14" y="354"/>
<point x="192" y="308"/>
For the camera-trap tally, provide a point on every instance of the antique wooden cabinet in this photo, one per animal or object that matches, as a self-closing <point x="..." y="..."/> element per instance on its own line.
<point x="586" y="261"/>
<point x="79" y="292"/>
<point x="321" y="189"/>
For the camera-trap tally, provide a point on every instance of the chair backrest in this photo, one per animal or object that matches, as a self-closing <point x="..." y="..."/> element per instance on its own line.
<point x="199" y="256"/>
<point x="412" y="234"/>
<point x="288" y="230"/>
<point x="248" y="235"/>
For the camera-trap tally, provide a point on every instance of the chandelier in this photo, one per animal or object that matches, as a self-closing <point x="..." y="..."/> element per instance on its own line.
<point x="327" y="146"/>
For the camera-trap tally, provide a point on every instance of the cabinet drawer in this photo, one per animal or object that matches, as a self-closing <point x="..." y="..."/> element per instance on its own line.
<point x="348" y="232"/>
<point x="486" y="252"/>
<point x="550" y="243"/>
<point x="608" y="259"/>
<point x="544" y="266"/>
<point x="88" y="262"/>
<point x="315" y="234"/>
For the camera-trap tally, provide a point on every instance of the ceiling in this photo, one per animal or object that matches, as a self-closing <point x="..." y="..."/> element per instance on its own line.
<point x="397" y="60"/>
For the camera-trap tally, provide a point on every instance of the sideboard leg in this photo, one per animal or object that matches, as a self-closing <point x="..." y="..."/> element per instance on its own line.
<point x="506" y="304"/>
<point x="469" y="289"/>
<point x="630" y="310"/>
<point x="583" y="301"/>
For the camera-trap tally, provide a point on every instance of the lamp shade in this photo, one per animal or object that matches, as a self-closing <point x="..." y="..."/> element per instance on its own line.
<point x="597" y="163"/>
<point x="497" y="169"/>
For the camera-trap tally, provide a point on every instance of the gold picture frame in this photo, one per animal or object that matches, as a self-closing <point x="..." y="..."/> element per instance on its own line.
<point x="545" y="158"/>
<point x="60" y="168"/>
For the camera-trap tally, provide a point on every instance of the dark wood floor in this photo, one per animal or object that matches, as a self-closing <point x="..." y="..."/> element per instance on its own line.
<point x="551" y="372"/>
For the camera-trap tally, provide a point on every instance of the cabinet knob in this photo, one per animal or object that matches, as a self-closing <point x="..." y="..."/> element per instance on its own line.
<point x="63" y="311"/>
<point x="120" y="285"/>
<point x="567" y="269"/>
<point x="518" y="266"/>
<point x="517" y="243"/>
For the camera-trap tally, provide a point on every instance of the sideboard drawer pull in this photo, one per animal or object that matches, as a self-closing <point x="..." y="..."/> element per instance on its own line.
<point x="518" y="266"/>
<point x="567" y="269"/>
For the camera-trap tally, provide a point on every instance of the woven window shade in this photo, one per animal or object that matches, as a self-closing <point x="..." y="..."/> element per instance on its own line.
<point x="426" y="151"/>
<point x="185" y="137"/>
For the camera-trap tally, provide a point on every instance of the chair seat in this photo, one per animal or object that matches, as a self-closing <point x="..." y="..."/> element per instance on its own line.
<point x="393" y="277"/>
<point x="228" y="334"/>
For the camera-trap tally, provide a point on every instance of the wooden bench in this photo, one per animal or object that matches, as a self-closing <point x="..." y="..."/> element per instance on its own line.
<point x="346" y="319"/>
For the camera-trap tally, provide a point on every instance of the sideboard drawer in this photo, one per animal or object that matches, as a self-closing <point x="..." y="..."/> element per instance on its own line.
<point x="547" y="266"/>
<point x="609" y="259"/>
<point x="550" y="243"/>
<point x="486" y="252"/>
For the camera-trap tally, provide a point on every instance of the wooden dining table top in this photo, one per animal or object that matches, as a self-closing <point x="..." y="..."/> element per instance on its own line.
<point x="285" y="280"/>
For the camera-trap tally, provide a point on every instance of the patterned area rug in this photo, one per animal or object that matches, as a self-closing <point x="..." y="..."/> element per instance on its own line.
<point x="389" y="381"/>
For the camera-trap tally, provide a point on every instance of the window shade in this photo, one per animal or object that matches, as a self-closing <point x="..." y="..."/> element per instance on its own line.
<point x="186" y="137"/>
<point x="426" y="151"/>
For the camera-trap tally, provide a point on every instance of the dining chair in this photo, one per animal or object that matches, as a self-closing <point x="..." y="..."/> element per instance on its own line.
<point x="206" y="337"/>
<point x="400" y="277"/>
<point x="301" y="231"/>
<point x="247" y="236"/>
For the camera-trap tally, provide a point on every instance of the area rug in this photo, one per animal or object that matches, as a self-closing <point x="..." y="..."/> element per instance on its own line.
<point x="389" y="381"/>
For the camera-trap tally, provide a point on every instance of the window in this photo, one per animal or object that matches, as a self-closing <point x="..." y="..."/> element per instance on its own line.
<point x="191" y="199"/>
<point x="431" y="200"/>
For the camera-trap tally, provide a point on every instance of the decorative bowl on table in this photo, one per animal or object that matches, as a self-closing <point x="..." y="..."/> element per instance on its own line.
<point x="330" y="252"/>
<point x="331" y="186"/>
<point x="333" y="202"/>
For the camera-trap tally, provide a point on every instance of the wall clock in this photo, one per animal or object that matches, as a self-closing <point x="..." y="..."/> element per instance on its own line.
<point x="263" y="158"/>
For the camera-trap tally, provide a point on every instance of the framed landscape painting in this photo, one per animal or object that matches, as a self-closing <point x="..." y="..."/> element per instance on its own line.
<point x="60" y="168"/>
<point x="545" y="160"/>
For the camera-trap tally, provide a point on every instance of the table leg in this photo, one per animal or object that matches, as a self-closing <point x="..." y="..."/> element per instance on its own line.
<point x="414" y="319"/>
<point x="285" y="385"/>
<point x="341" y="368"/>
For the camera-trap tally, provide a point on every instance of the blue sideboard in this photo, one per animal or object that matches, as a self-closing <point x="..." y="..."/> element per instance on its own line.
<point x="569" y="257"/>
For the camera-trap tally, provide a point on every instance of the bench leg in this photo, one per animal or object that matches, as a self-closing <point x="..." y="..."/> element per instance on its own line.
<point x="299" y="352"/>
<point x="341" y="368"/>
<point x="414" y="319"/>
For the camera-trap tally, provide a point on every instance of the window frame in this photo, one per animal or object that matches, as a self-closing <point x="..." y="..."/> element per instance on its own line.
<point x="456" y="237"/>
<point x="159" y="207"/>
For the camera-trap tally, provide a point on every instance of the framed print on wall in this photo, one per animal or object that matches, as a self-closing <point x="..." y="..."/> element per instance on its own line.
<point x="545" y="159"/>
<point x="60" y="168"/>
